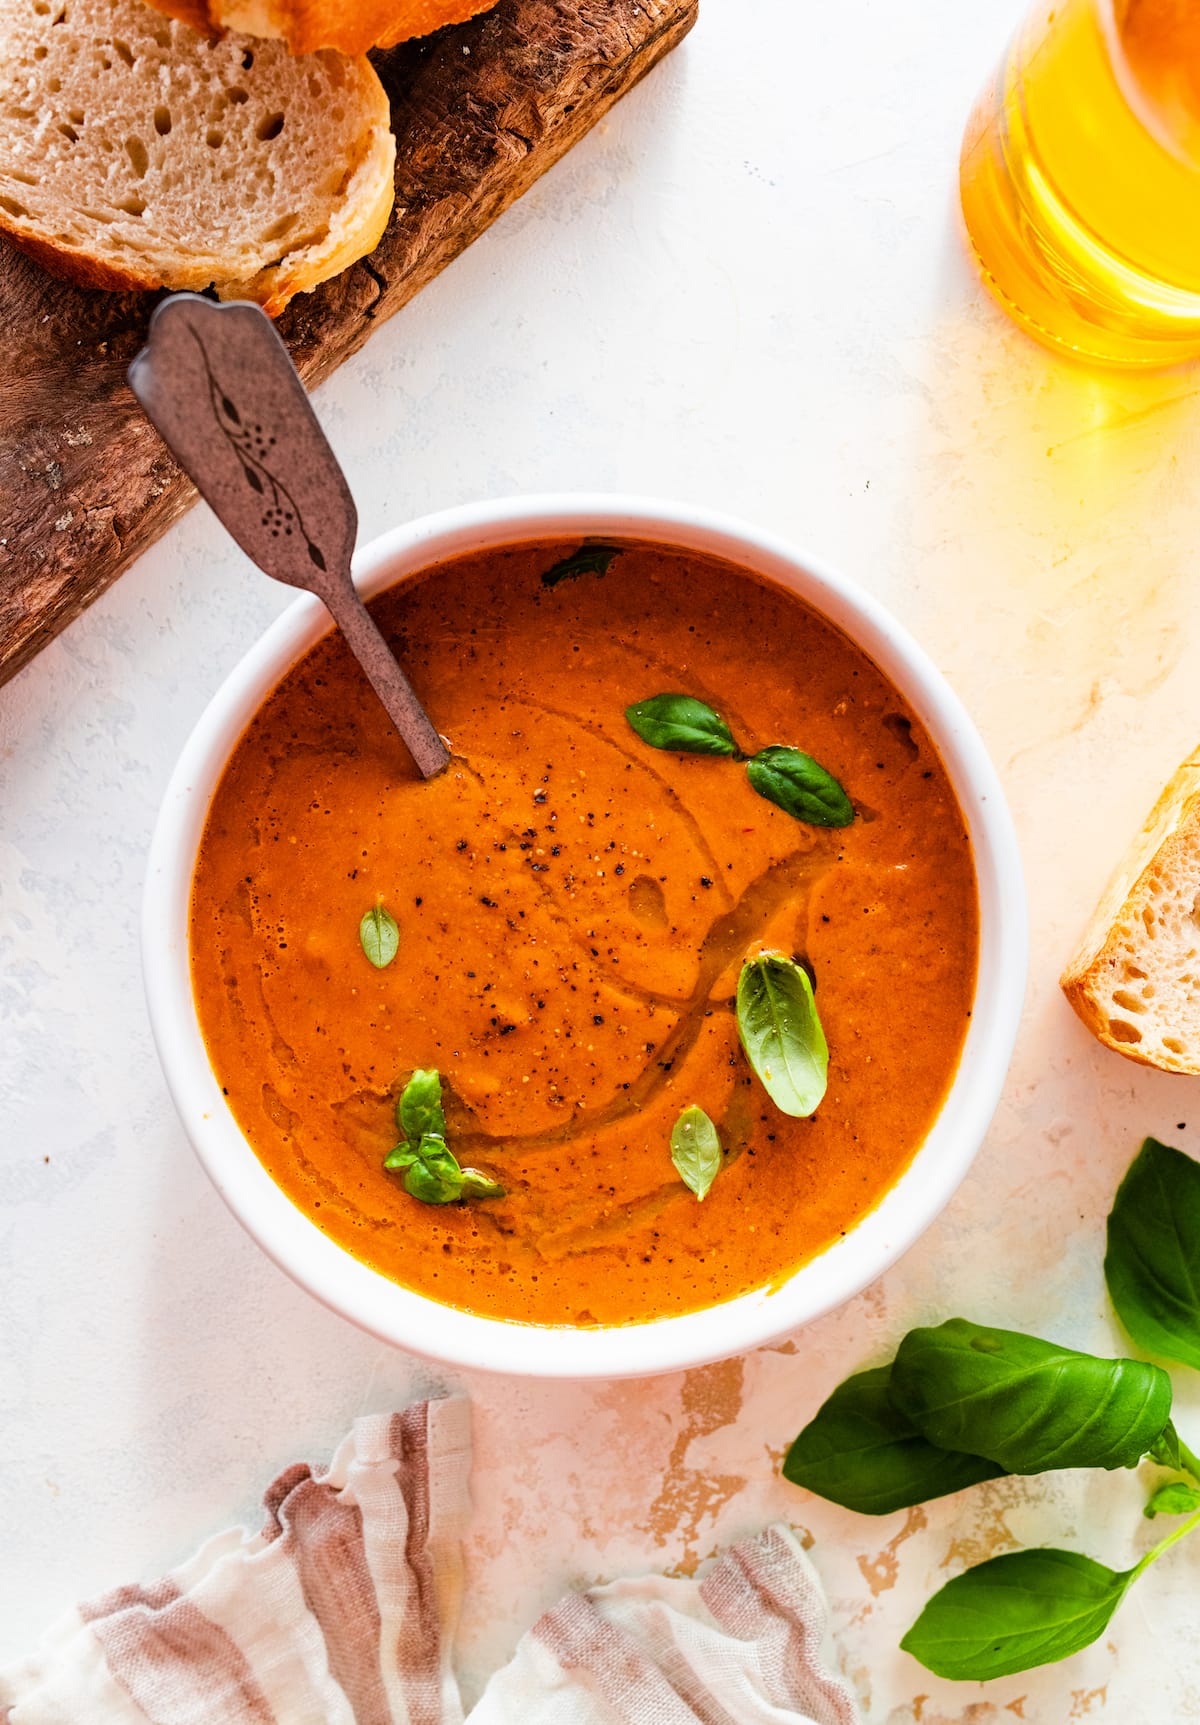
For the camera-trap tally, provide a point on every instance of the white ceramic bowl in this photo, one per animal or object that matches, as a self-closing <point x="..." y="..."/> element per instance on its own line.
<point x="410" y="1320"/>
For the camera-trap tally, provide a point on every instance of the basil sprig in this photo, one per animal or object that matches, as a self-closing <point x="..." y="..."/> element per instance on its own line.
<point x="432" y="1173"/>
<point x="379" y="934"/>
<point x="963" y="1403"/>
<point x="696" y="1150"/>
<point x="787" y="777"/>
<point x="431" y="1170"/>
<point x="781" y="1033"/>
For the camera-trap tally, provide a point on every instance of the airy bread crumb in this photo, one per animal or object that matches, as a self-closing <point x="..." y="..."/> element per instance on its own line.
<point x="135" y="153"/>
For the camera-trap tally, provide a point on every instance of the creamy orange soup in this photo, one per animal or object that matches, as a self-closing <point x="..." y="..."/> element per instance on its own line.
<point x="574" y="908"/>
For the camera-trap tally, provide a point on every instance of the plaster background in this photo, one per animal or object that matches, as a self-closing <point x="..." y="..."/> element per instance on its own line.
<point x="747" y="288"/>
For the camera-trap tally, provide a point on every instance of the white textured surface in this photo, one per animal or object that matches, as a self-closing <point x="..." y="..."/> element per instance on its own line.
<point x="748" y="289"/>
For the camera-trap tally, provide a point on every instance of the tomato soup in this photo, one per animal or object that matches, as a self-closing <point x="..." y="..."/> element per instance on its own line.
<point x="573" y="910"/>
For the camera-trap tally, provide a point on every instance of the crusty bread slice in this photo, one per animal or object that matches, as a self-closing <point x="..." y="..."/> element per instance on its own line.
<point x="135" y="153"/>
<point x="1135" y="978"/>
<point x="352" y="26"/>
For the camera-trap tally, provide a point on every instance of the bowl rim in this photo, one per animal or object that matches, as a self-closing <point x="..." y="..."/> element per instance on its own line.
<point x="410" y="1320"/>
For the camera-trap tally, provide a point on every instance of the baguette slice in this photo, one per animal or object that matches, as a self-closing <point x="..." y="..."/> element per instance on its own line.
<point x="352" y="26"/>
<point x="135" y="153"/>
<point x="1135" y="978"/>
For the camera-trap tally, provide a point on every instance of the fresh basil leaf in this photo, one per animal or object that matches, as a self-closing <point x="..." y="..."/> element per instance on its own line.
<point x="379" y="933"/>
<point x="403" y="1156"/>
<point x="419" y="1111"/>
<point x="1175" y="1498"/>
<point x="477" y="1185"/>
<point x="696" y="1150"/>
<point x="1166" y="1450"/>
<point x="588" y="560"/>
<point x="438" y="1156"/>
<point x="434" y="1175"/>
<point x="1027" y="1404"/>
<point x="682" y="724"/>
<point x="1014" y="1612"/>
<point x="430" y="1167"/>
<point x="431" y="1185"/>
<point x="800" y="786"/>
<point x="781" y="1033"/>
<point x="1171" y="1451"/>
<point x="1152" y="1266"/>
<point x="861" y="1452"/>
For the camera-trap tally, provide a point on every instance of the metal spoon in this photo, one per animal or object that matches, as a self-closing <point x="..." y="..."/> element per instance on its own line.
<point x="220" y="387"/>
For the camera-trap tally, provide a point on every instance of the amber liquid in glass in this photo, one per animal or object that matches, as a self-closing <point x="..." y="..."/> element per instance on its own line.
<point x="1080" y="178"/>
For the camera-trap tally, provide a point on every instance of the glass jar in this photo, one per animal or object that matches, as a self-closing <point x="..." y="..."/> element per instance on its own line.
<point x="1080" y="178"/>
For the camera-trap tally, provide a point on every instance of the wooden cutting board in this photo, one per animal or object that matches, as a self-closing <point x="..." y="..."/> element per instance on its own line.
<point x="479" y="112"/>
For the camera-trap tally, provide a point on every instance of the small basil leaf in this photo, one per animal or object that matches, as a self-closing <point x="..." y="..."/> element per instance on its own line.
<point x="682" y="724"/>
<point x="438" y="1157"/>
<point x="379" y="933"/>
<point x="1027" y="1404"/>
<point x="1152" y="1266"/>
<point x="1014" y="1612"/>
<point x="434" y="1175"/>
<point x="696" y="1150"/>
<point x="431" y="1187"/>
<point x="800" y="786"/>
<point x="1175" y="1498"/>
<point x="861" y="1452"/>
<point x="781" y="1033"/>
<point x="588" y="560"/>
<point x="477" y="1185"/>
<point x="403" y="1156"/>
<point x="1165" y="1450"/>
<point x="419" y="1110"/>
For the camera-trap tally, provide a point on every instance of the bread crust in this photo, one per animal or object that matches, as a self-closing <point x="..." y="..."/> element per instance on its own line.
<point x="350" y="26"/>
<point x="197" y="13"/>
<point x="78" y="267"/>
<point x="1165" y="849"/>
<point x="372" y="201"/>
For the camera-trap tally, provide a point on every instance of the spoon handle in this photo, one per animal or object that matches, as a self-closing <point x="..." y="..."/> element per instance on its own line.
<point x="378" y="662"/>
<point x="220" y="386"/>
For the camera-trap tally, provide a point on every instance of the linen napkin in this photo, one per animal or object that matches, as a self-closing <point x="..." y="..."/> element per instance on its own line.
<point x="742" y="1647"/>
<point x="342" y="1609"/>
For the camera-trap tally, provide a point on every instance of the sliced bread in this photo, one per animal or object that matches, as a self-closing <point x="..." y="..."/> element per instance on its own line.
<point x="1135" y="978"/>
<point x="136" y="153"/>
<point x="352" y="26"/>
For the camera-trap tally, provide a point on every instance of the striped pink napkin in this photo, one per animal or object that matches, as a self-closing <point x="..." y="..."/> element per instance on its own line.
<point x="741" y="1647"/>
<point x="342" y="1611"/>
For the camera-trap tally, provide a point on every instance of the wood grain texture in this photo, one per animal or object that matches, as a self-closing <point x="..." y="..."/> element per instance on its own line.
<point x="85" y="482"/>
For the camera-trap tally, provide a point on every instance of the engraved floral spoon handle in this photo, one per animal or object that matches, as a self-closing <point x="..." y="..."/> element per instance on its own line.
<point x="221" y="389"/>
